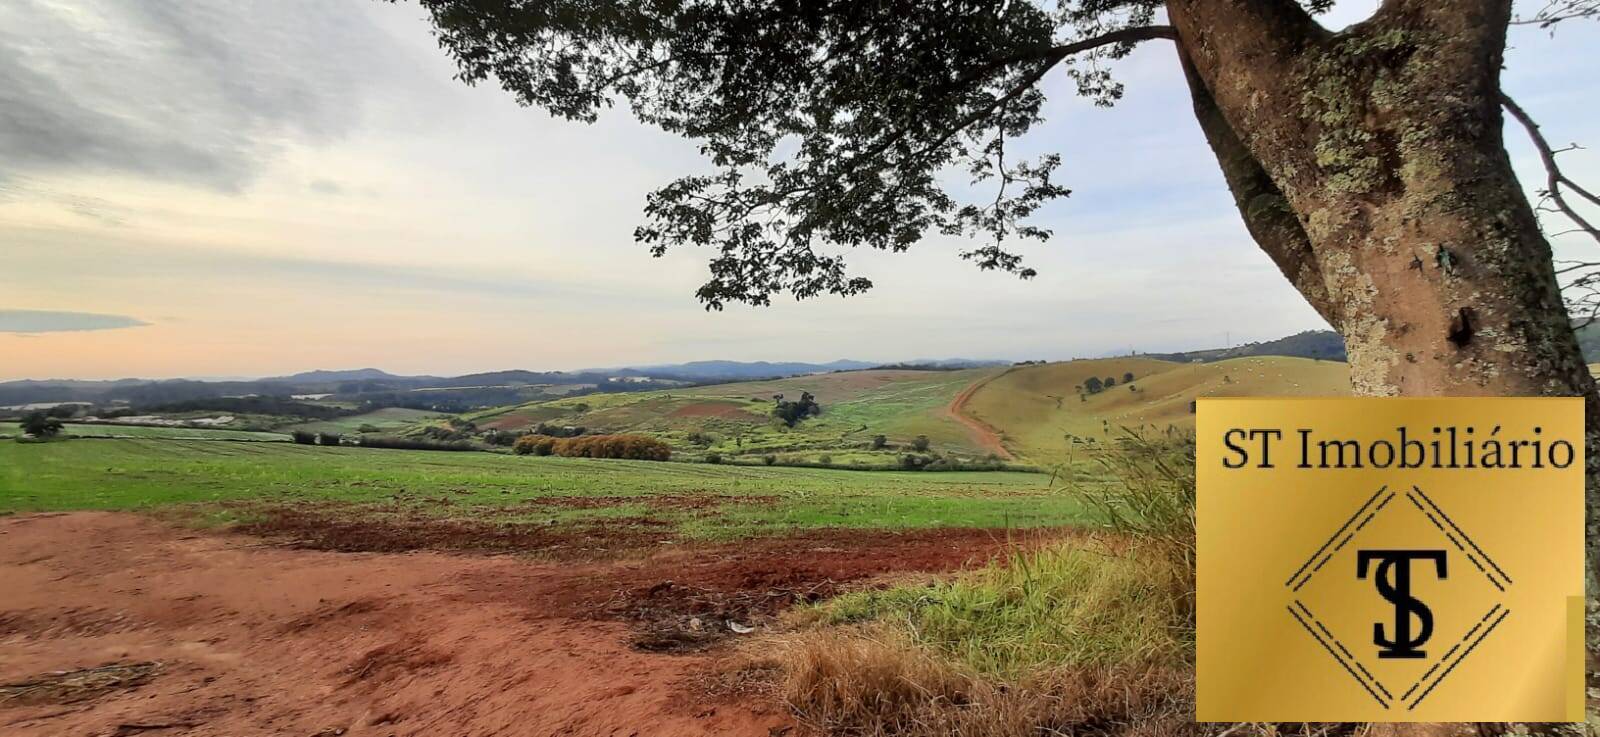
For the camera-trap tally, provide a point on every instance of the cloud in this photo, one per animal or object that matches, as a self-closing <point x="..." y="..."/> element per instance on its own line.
<point x="197" y="91"/>
<point x="52" y="321"/>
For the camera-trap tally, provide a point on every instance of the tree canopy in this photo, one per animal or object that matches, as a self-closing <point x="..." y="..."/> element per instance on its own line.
<point x="830" y="124"/>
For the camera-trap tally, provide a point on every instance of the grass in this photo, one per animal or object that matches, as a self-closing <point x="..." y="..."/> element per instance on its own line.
<point x="1036" y="409"/>
<point x="386" y="420"/>
<point x="1088" y="634"/>
<point x="1068" y="604"/>
<point x="95" y="430"/>
<point x="1041" y="418"/>
<point x="743" y="500"/>
<point x="856" y="406"/>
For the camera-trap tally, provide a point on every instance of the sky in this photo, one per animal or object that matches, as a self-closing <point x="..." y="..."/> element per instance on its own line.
<point x="220" y="188"/>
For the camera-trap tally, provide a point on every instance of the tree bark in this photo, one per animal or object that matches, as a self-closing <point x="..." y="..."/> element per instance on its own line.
<point x="1369" y="165"/>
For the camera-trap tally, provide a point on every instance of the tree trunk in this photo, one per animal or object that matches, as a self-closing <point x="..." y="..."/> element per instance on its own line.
<point x="1369" y="165"/>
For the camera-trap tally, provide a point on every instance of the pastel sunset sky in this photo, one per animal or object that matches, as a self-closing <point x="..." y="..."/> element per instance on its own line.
<point x="222" y="188"/>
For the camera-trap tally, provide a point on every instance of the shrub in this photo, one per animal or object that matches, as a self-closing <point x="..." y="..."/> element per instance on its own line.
<point x="413" y="444"/>
<point x="912" y="462"/>
<point x="538" y="445"/>
<point x="503" y="438"/>
<point x="701" y="439"/>
<point x="559" y="431"/>
<point x="792" y="412"/>
<point x="879" y="441"/>
<point x="714" y="458"/>
<point x="920" y="444"/>
<point x="369" y="428"/>
<point x="769" y="459"/>
<point x="630" y="447"/>
<point x="825" y="459"/>
<point x="41" y="425"/>
<point x="1151" y="497"/>
<point x="328" y="438"/>
<point x="304" y="438"/>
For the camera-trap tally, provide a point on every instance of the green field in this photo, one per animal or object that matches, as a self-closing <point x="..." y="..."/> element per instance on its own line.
<point x="386" y="420"/>
<point x="856" y="405"/>
<point x="96" y="430"/>
<point x="1042" y="419"/>
<point x="1036" y="410"/>
<point x="226" y="480"/>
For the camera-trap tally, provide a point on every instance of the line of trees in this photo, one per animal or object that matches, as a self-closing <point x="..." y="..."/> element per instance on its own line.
<point x="625" y="446"/>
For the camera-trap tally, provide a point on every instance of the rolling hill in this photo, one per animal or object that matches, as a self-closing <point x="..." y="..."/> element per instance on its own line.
<point x="735" y="419"/>
<point x="1042" y="418"/>
<point x="1032" y="414"/>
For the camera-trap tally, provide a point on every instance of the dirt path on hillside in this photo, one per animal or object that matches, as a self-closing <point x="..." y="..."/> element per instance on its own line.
<point x="116" y="624"/>
<point x="982" y="433"/>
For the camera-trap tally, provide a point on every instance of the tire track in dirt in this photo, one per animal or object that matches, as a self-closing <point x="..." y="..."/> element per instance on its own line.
<point x="986" y="435"/>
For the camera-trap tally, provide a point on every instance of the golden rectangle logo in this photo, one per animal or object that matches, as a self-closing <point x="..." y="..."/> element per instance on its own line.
<point x="1390" y="560"/>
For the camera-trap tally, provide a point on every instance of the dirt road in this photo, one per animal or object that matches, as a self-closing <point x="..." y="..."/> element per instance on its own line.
<point x="985" y="436"/>
<point x="115" y="624"/>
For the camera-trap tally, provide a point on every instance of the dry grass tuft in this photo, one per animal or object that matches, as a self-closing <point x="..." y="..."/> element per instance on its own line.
<point x="871" y="682"/>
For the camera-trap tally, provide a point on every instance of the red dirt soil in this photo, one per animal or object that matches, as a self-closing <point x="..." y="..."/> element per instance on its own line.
<point x="253" y="638"/>
<point x="982" y="433"/>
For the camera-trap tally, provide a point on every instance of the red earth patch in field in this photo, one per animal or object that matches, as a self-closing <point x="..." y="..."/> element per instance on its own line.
<point x="719" y="410"/>
<point x="260" y="639"/>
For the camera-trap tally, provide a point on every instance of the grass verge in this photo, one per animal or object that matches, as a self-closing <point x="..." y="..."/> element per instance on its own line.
<point x="1089" y="635"/>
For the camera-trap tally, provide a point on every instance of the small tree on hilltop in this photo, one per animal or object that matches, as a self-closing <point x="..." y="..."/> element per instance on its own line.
<point x="1092" y="386"/>
<point x="792" y="412"/>
<point x="41" y="425"/>
<point x="1127" y="378"/>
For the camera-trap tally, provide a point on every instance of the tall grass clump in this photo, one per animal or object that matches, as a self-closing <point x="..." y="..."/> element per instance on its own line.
<point x="1090" y="633"/>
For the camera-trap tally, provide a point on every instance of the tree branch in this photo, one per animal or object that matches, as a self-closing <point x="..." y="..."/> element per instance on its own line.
<point x="1554" y="179"/>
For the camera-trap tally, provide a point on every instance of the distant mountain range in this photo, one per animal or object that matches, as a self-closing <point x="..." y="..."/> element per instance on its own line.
<point x="504" y="387"/>
<point x="1324" y="345"/>
<point x="370" y="384"/>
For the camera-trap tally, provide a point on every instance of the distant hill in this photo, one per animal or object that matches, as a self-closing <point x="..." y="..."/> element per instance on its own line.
<point x="741" y="370"/>
<point x="1589" y="342"/>
<point x="317" y="377"/>
<point x="1322" y="345"/>
<point x="451" y="393"/>
<point x="1037" y="413"/>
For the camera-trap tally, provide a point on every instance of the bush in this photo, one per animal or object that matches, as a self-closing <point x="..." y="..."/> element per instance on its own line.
<point x="920" y="444"/>
<point x="879" y="441"/>
<point x="825" y="459"/>
<point x="413" y="444"/>
<point x="502" y="438"/>
<point x="769" y="459"/>
<point x="304" y="438"/>
<point x="41" y="425"/>
<point x="714" y="458"/>
<point x="536" y="445"/>
<point x="328" y="438"/>
<point x="792" y="412"/>
<point x="701" y="439"/>
<point x="629" y="447"/>
<point x="1151" y="497"/>
<point x="369" y="428"/>
<point x="912" y="462"/>
<point x="559" y="431"/>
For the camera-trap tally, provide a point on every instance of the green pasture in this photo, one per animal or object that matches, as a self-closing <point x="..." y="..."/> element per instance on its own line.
<point x="224" y="480"/>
